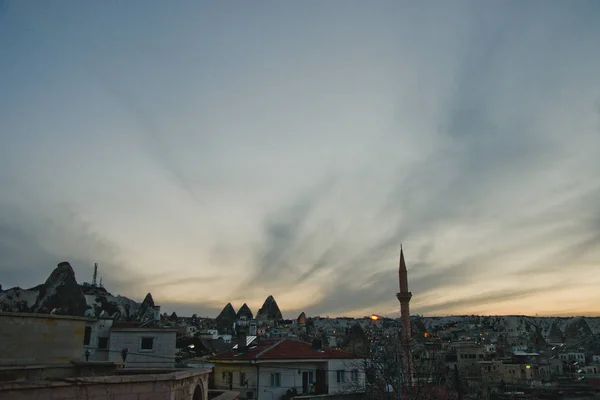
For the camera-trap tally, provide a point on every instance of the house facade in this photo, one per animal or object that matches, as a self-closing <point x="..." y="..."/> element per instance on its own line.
<point x="147" y="347"/>
<point x="273" y="368"/>
<point x="96" y="339"/>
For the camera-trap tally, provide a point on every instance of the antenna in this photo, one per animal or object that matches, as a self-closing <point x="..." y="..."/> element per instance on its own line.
<point x="95" y="274"/>
<point x="100" y="284"/>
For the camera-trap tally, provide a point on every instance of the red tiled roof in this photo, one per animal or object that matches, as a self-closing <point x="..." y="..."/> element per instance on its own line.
<point x="282" y="349"/>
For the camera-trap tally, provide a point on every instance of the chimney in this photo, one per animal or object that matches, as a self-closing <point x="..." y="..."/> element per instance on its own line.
<point x="156" y="313"/>
<point x="241" y="339"/>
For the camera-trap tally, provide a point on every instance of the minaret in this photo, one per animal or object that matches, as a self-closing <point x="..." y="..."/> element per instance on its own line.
<point x="405" y="341"/>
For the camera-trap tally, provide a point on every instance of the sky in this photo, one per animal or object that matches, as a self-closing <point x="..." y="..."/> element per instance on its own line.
<point x="220" y="151"/>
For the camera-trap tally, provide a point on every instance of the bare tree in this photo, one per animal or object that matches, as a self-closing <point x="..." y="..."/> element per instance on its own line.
<point x="383" y="369"/>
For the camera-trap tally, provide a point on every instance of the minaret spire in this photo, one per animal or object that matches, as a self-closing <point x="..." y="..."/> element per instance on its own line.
<point x="402" y="273"/>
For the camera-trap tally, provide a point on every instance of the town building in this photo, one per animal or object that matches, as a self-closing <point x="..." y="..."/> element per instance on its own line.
<point x="96" y="339"/>
<point x="273" y="368"/>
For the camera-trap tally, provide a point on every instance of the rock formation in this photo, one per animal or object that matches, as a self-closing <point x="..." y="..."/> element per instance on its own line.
<point x="301" y="319"/>
<point x="146" y="311"/>
<point x="244" y="312"/>
<point x="578" y="332"/>
<point x="228" y="314"/>
<point x="269" y="311"/>
<point x="555" y="335"/>
<point x="226" y="319"/>
<point x="61" y="294"/>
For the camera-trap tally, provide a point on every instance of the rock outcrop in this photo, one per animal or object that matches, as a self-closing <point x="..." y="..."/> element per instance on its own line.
<point x="61" y="294"/>
<point x="301" y="319"/>
<point x="578" y="332"/>
<point x="555" y="335"/>
<point x="244" y="312"/>
<point x="269" y="311"/>
<point x="226" y="319"/>
<point x="146" y="311"/>
<point x="227" y="314"/>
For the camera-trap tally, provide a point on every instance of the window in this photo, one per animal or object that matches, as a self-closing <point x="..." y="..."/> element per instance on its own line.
<point x="340" y="376"/>
<point x="354" y="375"/>
<point x="242" y="378"/>
<point x="276" y="379"/>
<point x="103" y="343"/>
<point x="147" y="343"/>
<point x="87" y="336"/>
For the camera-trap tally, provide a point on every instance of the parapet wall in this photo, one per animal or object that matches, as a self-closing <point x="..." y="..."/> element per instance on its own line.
<point x="184" y="385"/>
<point x="29" y="339"/>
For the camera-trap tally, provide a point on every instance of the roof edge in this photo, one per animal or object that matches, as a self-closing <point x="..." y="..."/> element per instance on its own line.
<point x="257" y="356"/>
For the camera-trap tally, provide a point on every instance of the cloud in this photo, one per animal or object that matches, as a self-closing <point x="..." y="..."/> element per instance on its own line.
<point x="149" y="127"/>
<point x="496" y="297"/>
<point x="466" y="132"/>
<point x="286" y="238"/>
<point x="33" y="244"/>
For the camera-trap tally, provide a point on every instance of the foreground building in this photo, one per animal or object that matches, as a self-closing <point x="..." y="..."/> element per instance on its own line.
<point x="41" y="358"/>
<point x="273" y="368"/>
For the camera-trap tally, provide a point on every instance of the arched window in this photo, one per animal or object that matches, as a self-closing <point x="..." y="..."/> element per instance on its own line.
<point x="87" y="336"/>
<point x="198" y="392"/>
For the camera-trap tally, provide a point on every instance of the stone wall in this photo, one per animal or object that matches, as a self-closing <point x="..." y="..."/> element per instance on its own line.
<point x="29" y="339"/>
<point x="56" y="371"/>
<point x="184" y="385"/>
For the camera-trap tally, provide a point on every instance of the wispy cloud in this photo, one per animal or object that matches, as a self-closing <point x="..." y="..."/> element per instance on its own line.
<point x="216" y="154"/>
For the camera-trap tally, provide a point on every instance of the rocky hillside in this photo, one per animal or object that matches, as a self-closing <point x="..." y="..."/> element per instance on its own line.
<point x="62" y="295"/>
<point x="553" y="329"/>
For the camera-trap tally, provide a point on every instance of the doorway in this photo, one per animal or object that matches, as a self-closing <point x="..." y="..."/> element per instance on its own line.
<point x="198" y="393"/>
<point x="307" y="381"/>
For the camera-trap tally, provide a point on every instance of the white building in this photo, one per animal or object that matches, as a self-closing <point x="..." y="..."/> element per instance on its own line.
<point x="572" y="357"/>
<point x="147" y="347"/>
<point x="490" y="348"/>
<point x="269" y="369"/>
<point x="96" y="339"/>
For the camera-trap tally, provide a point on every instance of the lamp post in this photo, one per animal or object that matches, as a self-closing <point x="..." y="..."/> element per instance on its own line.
<point x="375" y="317"/>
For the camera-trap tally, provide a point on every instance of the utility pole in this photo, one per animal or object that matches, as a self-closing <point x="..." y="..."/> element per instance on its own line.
<point x="95" y="274"/>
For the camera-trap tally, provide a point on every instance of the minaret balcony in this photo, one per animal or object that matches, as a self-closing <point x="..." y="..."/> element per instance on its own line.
<point x="404" y="296"/>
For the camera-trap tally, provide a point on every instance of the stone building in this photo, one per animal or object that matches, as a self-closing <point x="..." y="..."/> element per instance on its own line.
<point x="41" y="358"/>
